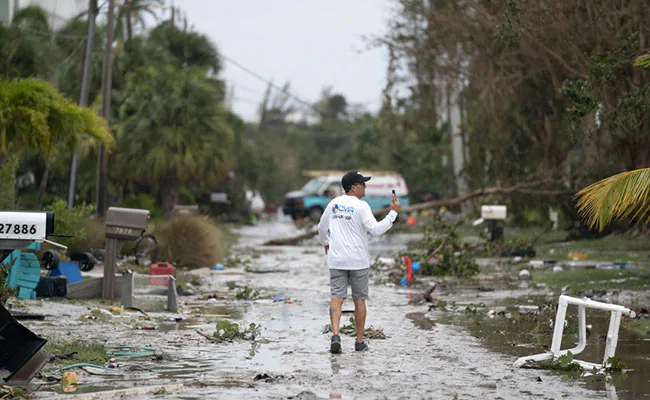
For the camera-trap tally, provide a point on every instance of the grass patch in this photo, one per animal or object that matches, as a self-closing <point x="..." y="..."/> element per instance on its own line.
<point x="68" y="353"/>
<point x="640" y="327"/>
<point x="553" y="244"/>
<point x="594" y="279"/>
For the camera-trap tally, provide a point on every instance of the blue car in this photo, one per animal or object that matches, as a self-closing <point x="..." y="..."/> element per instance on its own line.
<point x="311" y="199"/>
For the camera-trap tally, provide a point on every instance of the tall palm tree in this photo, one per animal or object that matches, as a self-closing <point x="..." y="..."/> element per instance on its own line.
<point x="184" y="49"/>
<point x="174" y="130"/>
<point x="134" y="11"/>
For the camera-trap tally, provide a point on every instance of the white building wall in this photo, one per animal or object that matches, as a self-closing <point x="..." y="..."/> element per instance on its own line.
<point x="6" y="11"/>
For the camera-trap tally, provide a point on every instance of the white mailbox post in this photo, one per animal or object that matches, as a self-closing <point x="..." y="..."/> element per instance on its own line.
<point x="493" y="214"/>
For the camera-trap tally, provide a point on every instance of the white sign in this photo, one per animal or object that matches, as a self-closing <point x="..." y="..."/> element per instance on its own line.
<point x="219" y="197"/>
<point x="493" y="212"/>
<point x="23" y="225"/>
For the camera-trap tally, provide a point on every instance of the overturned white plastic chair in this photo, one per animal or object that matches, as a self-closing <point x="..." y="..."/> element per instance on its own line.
<point x="612" y="333"/>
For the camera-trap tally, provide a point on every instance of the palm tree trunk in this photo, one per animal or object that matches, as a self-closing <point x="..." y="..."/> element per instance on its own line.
<point x="8" y="168"/>
<point x="169" y="196"/>
<point x="129" y="25"/>
<point x="41" y="188"/>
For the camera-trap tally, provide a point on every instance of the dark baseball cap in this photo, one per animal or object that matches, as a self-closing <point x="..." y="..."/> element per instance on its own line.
<point x="351" y="178"/>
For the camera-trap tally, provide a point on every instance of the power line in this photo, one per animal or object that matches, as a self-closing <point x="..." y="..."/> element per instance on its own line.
<point x="268" y="82"/>
<point x="245" y="100"/>
<point x="310" y="106"/>
<point x="238" y="86"/>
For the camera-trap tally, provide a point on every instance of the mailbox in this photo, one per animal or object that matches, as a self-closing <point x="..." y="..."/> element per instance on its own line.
<point x="126" y="223"/>
<point x="26" y="225"/>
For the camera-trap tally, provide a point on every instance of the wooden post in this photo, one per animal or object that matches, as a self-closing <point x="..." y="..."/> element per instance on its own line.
<point x="126" y="295"/>
<point x="113" y="246"/>
<point x="172" y="300"/>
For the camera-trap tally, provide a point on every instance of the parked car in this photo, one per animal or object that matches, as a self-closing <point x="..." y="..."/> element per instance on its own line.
<point x="313" y="197"/>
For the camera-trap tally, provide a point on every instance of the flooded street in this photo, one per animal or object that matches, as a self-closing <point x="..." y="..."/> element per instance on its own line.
<point x="427" y="353"/>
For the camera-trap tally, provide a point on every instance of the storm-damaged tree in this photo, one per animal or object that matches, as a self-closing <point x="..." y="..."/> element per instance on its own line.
<point x="546" y="89"/>
<point x="624" y="196"/>
<point x="174" y="130"/>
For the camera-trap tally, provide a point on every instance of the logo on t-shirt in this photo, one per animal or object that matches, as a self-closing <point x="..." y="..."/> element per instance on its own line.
<point x="342" y="209"/>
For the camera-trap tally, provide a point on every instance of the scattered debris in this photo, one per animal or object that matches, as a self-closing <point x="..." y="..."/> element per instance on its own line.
<point x="23" y="316"/>
<point x="350" y="330"/>
<point x="247" y="293"/>
<point x="21" y="350"/>
<point x="69" y="382"/>
<point x="425" y="296"/>
<point x="292" y="240"/>
<point x="263" y="270"/>
<point x="9" y="392"/>
<point x="267" y="378"/>
<point x="227" y="331"/>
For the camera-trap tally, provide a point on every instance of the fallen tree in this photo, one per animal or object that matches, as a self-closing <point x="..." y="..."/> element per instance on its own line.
<point x="291" y="240"/>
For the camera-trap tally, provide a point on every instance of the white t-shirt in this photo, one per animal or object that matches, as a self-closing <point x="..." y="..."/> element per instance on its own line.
<point x="348" y="219"/>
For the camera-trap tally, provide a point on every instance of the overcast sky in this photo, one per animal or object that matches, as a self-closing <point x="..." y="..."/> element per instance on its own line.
<point x="312" y="43"/>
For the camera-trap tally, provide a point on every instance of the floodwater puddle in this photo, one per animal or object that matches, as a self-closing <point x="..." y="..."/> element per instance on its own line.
<point x="421" y="320"/>
<point x="218" y="311"/>
<point x="524" y="327"/>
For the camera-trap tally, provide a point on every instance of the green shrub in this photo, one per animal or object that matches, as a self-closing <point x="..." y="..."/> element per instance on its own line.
<point x="71" y="222"/>
<point x="190" y="240"/>
<point x="453" y="257"/>
<point x="143" y="201"/>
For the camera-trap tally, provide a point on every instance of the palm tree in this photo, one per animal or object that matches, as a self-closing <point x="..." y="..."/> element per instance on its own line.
<point x="174" y="131"/>
<point x="625" y="195"/>
<point x="24" y="51"/>
<point x="643" y="62"/>
<point x="170" y="45"/>
<point x="134" y="11"/>
<point x="35" y="116"/>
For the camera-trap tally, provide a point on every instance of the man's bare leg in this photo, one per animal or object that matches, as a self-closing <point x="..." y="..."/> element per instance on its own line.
<point x="335" y="314"/>
<point x="360" y="318"/>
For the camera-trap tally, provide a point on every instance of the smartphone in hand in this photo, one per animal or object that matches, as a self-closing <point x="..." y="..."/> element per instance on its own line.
<point x="394" y="192"/>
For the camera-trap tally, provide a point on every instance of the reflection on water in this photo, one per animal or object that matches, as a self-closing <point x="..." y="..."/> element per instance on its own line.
<point x="421" y="321"/>
<point x="342" y="365"/>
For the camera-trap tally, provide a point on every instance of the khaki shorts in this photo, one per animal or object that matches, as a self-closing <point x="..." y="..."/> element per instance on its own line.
<point x="340" y="279"/>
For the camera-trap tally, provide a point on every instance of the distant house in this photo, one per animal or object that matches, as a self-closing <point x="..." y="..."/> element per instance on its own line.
<point x="59" y="11"/>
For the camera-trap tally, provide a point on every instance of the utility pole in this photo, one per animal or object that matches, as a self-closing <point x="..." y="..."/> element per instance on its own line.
<point x="102" y="159"/>
<point x="83" y="97"/>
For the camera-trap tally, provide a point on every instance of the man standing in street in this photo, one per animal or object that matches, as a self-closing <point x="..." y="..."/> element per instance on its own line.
<point x="348" y="219"/>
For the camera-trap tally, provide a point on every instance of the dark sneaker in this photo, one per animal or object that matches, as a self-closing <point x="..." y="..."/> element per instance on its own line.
<point x="363" y="346"/>
<point x="335" y="347"/>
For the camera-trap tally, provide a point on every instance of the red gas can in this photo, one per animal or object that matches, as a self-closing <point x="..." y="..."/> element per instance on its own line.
<point x="161" y="268"/>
